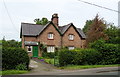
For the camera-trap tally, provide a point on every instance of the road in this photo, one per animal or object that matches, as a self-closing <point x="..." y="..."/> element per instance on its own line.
<point x="41" y="68"/>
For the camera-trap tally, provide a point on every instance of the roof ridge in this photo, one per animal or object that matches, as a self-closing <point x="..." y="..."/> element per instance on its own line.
<point x="30" y="23"/>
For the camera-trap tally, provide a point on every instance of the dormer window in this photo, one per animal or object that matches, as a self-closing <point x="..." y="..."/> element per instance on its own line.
<point x="50" y="35"/>
<point x="71" y="37"/>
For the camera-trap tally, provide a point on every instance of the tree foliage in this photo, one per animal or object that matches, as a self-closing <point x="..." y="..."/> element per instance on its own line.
<point x="87" y="26"/>
<point x="113" y="34"/>
<point x="96" y="30"/>
<point x="43" y="21"/>
<point x="11" y="43"/>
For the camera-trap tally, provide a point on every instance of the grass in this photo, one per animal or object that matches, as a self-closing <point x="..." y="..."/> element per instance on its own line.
<point x="49" y="61"/>
<point x="73" y="67"/>
<point x="11" y="72"/>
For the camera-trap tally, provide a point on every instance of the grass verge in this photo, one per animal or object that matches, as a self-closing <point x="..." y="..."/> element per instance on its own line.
<point x="73" y="67"/>
<point x="11" y="72"/>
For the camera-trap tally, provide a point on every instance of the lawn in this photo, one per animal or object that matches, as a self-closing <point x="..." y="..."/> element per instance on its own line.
<point x="73" y="67"/>
<point x="11" y="72"/>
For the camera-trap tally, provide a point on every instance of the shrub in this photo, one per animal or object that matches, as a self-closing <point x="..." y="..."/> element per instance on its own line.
<point x="40" y="58"/>
<point x="78" y="57"/>
<point x="110" y="52"/>
<point x="48" y="55"/>
<point x="12" y="57"/>
<point x="87" y="57"/>
<point x="21" y="67"/>
<point x="66" y="57"/>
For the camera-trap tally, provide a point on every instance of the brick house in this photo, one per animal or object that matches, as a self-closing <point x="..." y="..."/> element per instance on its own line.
<point x="52" y="35"/>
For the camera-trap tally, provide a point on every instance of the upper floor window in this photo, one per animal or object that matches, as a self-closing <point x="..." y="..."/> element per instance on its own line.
<point x="50" y="35"/>
<point x="71" y="37"/>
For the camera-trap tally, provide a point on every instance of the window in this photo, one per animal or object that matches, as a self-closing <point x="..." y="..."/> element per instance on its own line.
<point x="50" y="36"/>
<point x="71" y="37"/>
<point x="71" y="48"/>
<point x="29" y="48"/>
<point x="50" y="49"/>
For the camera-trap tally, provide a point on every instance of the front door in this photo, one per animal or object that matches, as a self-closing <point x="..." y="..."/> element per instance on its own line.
<point x="35" y="51"/>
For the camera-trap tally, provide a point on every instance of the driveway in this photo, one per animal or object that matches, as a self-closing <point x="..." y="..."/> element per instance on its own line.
<point x="41" y="68"/>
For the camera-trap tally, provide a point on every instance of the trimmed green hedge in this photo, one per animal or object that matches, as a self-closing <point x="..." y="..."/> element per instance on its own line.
<point x="110" y="52"/>
<point x="12" y="57"/>
<point x="48" y="55"/>
<point x="78" y="57"/>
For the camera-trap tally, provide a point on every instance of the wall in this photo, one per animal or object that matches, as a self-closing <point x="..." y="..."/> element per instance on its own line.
<point x="77" y="42"/>
<point x="43" y="37"/>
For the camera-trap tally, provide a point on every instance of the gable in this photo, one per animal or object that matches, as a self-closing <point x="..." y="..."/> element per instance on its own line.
<point x="72" y="30"/>
<point x="78" y="30"/>
<point x="46" y="27"/>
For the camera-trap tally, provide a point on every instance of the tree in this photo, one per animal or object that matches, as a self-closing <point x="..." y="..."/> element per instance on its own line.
<point x="87" y="26"/>
<point x="113" y="34"/>
<point x="11" y="43"/>
<point x="96" y="30"/>
<point x="43" y="21"/>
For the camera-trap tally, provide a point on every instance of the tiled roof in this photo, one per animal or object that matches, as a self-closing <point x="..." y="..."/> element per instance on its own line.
<point x="81" y="33"/>
<point x="63" y="28"/>
<point x="28" y="29"/>
<point x="31" y="29"/>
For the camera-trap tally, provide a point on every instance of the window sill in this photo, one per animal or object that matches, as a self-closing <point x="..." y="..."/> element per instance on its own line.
<point x="50" y="39"/>
<point x="71" y="40"/>
<point x="29" y="51"/>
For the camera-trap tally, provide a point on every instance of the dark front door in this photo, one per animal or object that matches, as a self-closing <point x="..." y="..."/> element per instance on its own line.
<point x="35" y="51"/>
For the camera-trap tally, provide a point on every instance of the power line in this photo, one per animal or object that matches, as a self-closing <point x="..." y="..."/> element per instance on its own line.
<point x="99" y="6"/>
<point x="9" y="16"/>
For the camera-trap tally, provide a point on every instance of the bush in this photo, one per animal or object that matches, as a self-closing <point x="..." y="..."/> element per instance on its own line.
<point x="78" y="57"/>
<point x="12" y="57"/>
<point x="21" y="67"/>
<point x="110" y="52"/>
<point x="40" y="58"/>
<point x="48" y="55"/>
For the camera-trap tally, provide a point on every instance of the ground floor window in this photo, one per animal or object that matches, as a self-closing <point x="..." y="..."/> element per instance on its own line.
<point x="50" y="48"/>
<point x="29" y="48"/>
<point x="71" y="47"/>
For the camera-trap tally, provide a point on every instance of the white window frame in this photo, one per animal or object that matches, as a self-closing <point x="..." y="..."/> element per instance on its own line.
<point x="71" y="47"/>
<point x="71" y="37"/>
<point x="50" y="35"/>
<point x="28" y="49"/>
<point x="50" y="49"/>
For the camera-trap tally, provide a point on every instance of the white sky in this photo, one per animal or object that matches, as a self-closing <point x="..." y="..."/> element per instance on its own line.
<point x="68" y="11"/>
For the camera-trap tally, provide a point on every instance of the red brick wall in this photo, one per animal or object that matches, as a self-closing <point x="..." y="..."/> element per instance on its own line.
<point x="77" y="42"/>
<point x="43" y="37"/>
<point x="30" y="38"/>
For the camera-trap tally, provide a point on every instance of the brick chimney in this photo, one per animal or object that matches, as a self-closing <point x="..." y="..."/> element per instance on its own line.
<point x="54" y="19"/>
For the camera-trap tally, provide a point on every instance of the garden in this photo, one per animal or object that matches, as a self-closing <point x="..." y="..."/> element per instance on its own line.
<point x="99" y="54"/>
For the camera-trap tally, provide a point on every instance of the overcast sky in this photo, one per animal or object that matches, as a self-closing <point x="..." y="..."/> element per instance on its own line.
<point x="68" y="11"/>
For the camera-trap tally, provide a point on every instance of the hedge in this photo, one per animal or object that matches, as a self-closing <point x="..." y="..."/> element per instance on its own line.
<point x="12" y="57"/>
<point x="79" y="57"/>
<point x="48" y="55"/>
<point x="110" y="52"/>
